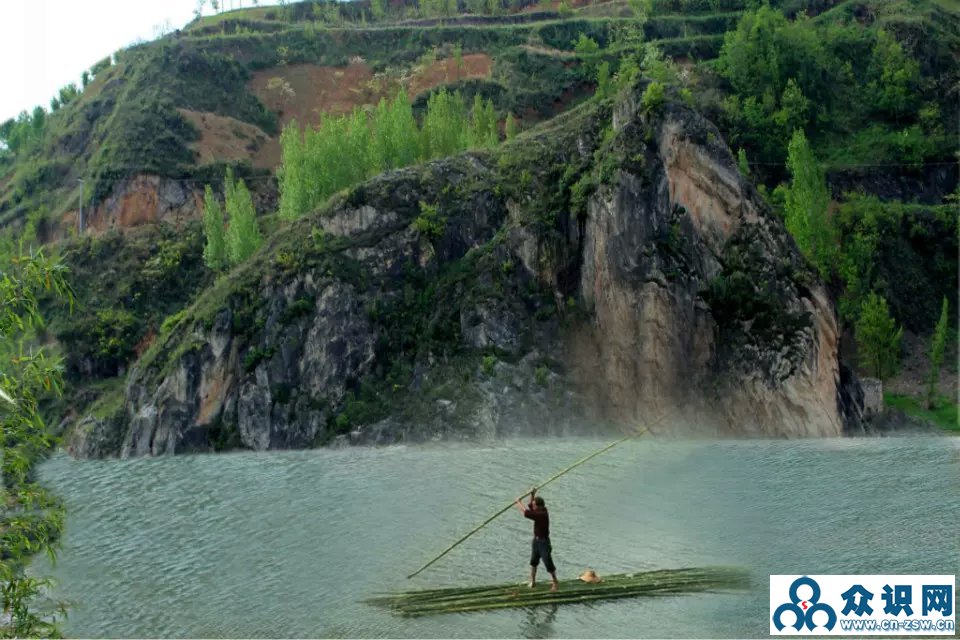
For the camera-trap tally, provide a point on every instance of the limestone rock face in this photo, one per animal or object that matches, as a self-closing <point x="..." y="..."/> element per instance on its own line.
<point x="659" y="251"/>
<point x="670" y="291"/>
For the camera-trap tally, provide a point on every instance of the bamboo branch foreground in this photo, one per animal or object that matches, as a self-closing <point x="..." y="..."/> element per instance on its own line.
<point x="539" y="486"/>
<point x="650" y="583"/>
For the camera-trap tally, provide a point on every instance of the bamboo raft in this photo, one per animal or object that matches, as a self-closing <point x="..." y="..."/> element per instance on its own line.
<point x="627" y="585"/>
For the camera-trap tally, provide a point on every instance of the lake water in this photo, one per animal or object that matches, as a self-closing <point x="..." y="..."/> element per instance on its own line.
<point x="287" y="544"/>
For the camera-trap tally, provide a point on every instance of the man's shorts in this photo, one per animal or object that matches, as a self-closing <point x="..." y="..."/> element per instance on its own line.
<point x="541" y="549"/>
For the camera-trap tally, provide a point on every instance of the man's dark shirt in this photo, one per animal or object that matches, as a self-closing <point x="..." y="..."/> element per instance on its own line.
<point x="541" y="521"/>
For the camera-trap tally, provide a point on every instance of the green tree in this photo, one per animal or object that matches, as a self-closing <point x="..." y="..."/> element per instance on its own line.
<point x="604" y="87"/>
<point x="100" y="66"/>
<point x="290" y="174"/>
<point x="806" y="204"/>
<point x="937" y="348"/>
<point x="458" y="59"/>
<point x="653" y="97"/>
<point x="483" y="123"/>
<point x="215" y="249"/>
<point x="445" y="128"/>
<point x="792" y="114"/>
<point x="510" y="127"/>
<point x="243" y="235"/>
<point x="32" y="518"/>
<point x="627" y="73"/>
<point x="878" y="337"/>
<point x="68" y="93"/>
<point x="742" y="163"/>
<point x="894" y="76"/>
<point x="587" y="50"/>
<point x="641" y="8"/>
<point x="379" y="9"/>
<point x="656" y="66"/>
<point x="38" y="122"/>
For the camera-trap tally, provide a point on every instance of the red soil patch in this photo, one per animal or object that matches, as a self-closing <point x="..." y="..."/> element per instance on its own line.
<point x="475" y="65"/>
<point x="145" y="342"/>
<point x="224" y="139"/>
<point x="140" y="200"/>
<point x="305" y="91"/>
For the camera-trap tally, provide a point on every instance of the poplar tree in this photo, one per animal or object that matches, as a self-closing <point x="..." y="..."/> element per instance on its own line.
<point x="444" y="126"/>
<point x="483" y="123"/>
<point x="290" y="174"/>
<point x="215" y="249"/>
<point x="807" y="200"/>
<point x="243" y="234"/>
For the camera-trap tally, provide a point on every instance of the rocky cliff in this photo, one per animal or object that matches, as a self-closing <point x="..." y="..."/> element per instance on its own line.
<point x="609" y="267"/>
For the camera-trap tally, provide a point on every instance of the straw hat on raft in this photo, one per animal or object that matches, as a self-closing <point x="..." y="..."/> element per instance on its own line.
<point x="590" y="576"/>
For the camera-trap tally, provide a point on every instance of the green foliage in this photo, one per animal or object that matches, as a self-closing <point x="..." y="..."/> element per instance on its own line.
<point x="540" y="375"/>
<point x="878" y="338"/>
<point x="483" y="123"/>
<point x="657" y="67"/>
<point x="243" y="234"/>
<point x="23" y="135"/>
<point x="378" y="8"/>
<point x="807" y="202"/>
<point x="487" y="364"/>
<point x="172" y="321"/>
<point x="604" y="85"/>
<point x="430" y="223"/>
<point x="346" y="150"/>
<point x="586" y="47"/>
<point x="68" y="94"/>
<point x="510" y="127"/>
<point x="255" y="356"/>
<point x="150" y="274"/>
<point x="893" y="77"/>
<point x="653" y="97"/>
<point x="907" y="253"/>
<point x="742" y="163"/>
<point x="828" y="77"/>
<point x="444" y="129"/>
<point x="945" y="415"/>
<point x="215" y="249"/>
<point x="641" y="8"/>
<point x="100" y="66"/>
<point x="938" y="346"/>
<point x="627" y="73"/>
<point x="32" y="518"/>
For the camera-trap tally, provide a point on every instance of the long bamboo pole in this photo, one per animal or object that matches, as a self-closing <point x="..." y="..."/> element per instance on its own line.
<point x="541" y="485"/>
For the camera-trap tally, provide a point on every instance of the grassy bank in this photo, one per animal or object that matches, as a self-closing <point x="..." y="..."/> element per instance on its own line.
<point x="944" y="414"/>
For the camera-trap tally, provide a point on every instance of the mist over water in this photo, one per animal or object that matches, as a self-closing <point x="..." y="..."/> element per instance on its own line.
<point x="287" y="544"/>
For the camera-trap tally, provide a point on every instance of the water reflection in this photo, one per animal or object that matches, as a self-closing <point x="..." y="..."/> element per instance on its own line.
<point x="538" y="622"/>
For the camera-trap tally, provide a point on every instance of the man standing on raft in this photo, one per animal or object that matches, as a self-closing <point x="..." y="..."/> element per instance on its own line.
<point x="536" y="510"/>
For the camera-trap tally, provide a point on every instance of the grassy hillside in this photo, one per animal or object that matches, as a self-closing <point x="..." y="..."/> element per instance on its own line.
<point x="871" y="82"/>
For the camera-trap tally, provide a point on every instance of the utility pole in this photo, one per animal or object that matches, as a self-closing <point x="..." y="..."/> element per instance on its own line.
<point x="80" y="180"/>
